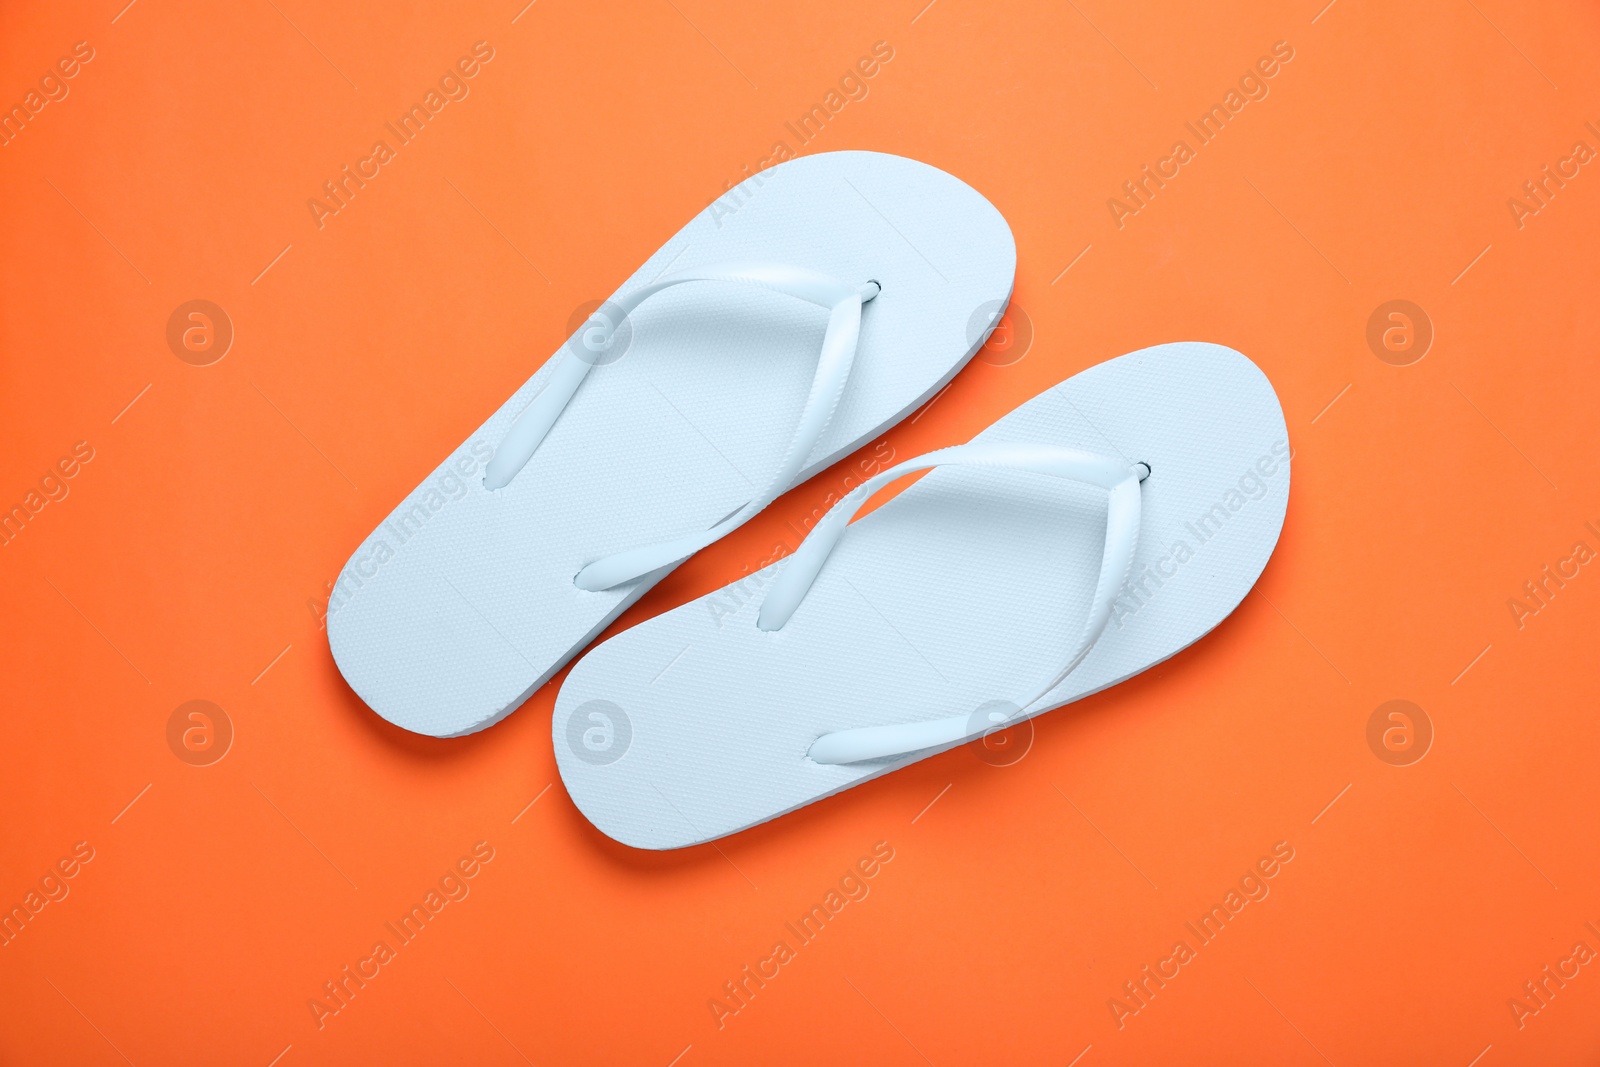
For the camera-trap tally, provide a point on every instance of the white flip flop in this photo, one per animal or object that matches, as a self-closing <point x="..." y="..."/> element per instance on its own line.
<point x="687" y="402"/>
<point x="979" y="596"/>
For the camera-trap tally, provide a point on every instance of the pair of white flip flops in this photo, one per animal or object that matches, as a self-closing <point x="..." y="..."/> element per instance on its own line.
<point x="1096" y="530"/>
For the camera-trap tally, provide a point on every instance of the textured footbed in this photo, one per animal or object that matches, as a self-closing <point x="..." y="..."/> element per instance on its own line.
<point x="461" y="603"/>
<point x="968" y="587"/>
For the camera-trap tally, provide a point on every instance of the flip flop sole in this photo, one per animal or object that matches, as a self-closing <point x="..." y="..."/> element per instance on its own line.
<point x="461" y="603"/>
<point x="969" y="587"/>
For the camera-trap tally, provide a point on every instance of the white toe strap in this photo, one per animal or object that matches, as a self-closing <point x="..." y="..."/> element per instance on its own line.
<point x="1118" y="477"/>
<point x="593" y="345"/>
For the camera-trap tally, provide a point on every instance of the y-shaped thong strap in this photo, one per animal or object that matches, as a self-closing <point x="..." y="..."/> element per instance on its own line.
<point x="1118" y="477"/>
<point x="594" y="342"/>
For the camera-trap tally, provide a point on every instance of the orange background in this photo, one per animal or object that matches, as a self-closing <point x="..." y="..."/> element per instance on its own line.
<point x="194" y="548"/>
